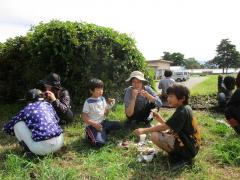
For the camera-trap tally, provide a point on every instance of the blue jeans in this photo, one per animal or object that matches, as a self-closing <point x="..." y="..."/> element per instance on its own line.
<point x="99" y="138"/>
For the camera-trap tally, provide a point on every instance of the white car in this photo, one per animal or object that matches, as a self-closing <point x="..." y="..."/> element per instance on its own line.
<point x="179" y="76"/>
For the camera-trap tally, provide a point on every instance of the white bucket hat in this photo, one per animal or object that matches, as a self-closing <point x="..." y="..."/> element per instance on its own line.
<point x="137" y="74"/>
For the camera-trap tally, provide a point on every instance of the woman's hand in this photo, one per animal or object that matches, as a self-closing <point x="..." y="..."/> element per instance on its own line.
<point x="50" y="96"/>
<point x="134" y="93"/>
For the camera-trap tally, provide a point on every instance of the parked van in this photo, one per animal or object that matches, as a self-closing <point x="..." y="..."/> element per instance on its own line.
<point x="180" y="76"/>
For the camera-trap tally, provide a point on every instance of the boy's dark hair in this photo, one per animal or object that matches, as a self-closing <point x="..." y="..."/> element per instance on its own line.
<point x="180" y="92"/>
<point x="167" y="73"/>
<point x="95" y="83"/>
<point x="229" y="82"/>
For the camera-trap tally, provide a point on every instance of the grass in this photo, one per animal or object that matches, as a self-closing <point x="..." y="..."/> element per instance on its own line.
<point x="209" y="86"/>
<point x="217" y="159"/>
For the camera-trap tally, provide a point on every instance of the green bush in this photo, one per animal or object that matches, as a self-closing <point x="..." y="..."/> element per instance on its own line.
<point x="13" y="65"/>
<point x="76" y="51"/>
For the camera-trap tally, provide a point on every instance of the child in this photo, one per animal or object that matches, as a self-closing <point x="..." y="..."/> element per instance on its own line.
<point x="179" y="136"/>
<point x="94" y="110"/>
<point x="232" y="112"/>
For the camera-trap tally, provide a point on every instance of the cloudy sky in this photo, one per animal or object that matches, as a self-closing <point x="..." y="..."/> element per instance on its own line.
<point x="192" y="27"/>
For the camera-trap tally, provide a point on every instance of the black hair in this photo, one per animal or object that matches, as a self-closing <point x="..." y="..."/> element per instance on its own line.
<point x="95" y="83"/>
<point x="229" y="82"/>
<point x="180" y="92"/>
<point x="167" y="73"/>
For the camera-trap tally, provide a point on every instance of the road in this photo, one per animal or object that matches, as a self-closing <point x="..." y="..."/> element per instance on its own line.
<point x="190" y="83"/>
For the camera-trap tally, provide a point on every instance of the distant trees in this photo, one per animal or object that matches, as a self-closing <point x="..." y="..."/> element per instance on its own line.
<point x="176" y="57"/>
<point x="227" y="56"/>
<point x="192" y="63"/>
<point x="178" y="60"/>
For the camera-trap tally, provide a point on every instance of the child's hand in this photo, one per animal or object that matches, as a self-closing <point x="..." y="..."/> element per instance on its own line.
<point x="155" y="114"/>
<point x="98" y="126"/>
<point x="110" y="103"/>
<point x="139" y="131"/>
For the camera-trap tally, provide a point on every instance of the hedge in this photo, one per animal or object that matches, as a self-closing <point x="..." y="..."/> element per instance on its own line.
<point x="77" y="51"/>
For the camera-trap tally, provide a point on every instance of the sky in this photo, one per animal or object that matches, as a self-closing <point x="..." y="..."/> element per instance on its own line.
<point x="191" y="27"/>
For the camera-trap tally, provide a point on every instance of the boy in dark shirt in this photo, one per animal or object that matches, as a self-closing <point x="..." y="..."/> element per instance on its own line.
<point x="179" y="136"/>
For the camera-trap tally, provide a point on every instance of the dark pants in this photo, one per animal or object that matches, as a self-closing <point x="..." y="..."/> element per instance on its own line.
<point x="66" y="118"/>
<point x="232" y="114"/>
<point x="99" y="138"/>
<point x="141" y="116"/>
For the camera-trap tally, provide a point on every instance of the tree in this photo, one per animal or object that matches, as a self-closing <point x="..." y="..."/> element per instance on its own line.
<point x="176" y="57"/>
<point x="191" y="63"/>
<point x="227" y="56"/>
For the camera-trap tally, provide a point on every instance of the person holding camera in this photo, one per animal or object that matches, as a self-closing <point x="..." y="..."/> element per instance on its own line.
<point x="58" y="96"/>
<point x="139" y="99"/>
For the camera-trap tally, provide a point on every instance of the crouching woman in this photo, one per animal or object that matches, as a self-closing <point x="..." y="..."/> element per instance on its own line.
<point x="36" y="125"/>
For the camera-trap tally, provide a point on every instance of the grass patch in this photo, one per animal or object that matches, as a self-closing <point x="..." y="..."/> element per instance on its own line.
<point x="78" y="160"/>
<point x="228" y="151"/>
<point x="209" y="86"/>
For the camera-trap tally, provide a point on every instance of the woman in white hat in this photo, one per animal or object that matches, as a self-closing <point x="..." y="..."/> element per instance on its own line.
<point x="139" y="99"/>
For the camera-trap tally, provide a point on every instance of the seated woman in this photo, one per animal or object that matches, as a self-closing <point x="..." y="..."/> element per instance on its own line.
<point x="139" y="99"/>
<point x="225" y="90"/>
<point x="232" y="111"/>
<point x="58" y="96"/>
<point x="36" y="126"/>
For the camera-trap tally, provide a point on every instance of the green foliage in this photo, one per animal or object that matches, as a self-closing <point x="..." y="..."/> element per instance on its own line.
<point x="191" y="63"/>
<point x="228" y="151"/>
<point x="227" y="55"/>
<point x="176" y="57"/>
<point x="17" y="167"/>
<point x="13" y="65"/>
<point x="76" y="51"/>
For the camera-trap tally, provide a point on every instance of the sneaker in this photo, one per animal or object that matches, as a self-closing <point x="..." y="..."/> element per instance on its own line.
<point x="22" y="144"/>
<point x="176" y="163"/>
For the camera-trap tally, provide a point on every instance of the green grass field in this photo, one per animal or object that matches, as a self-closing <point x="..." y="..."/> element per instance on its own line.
<point x="208" y="86"/>
<point x="218" y="158"/>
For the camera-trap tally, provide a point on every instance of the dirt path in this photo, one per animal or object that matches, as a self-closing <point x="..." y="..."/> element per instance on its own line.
<point x="193" y="81"/>
<point x="190" y="83"/>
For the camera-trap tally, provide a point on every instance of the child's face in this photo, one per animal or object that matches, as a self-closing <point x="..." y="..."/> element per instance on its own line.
<point x="137" y="84"/>
<point x="98" y="92"/>
<point x="173" y="101"/>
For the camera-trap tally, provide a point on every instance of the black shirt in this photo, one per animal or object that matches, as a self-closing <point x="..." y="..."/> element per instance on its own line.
<point x="62" y="106"/>
<point x="181" y="123"/>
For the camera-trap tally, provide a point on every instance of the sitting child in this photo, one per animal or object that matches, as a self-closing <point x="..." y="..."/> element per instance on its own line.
<point x="179" y="136"/>
<point x="94" y="110"/>
<point x="225" y="90"/>
<point x="232" y="112"/>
